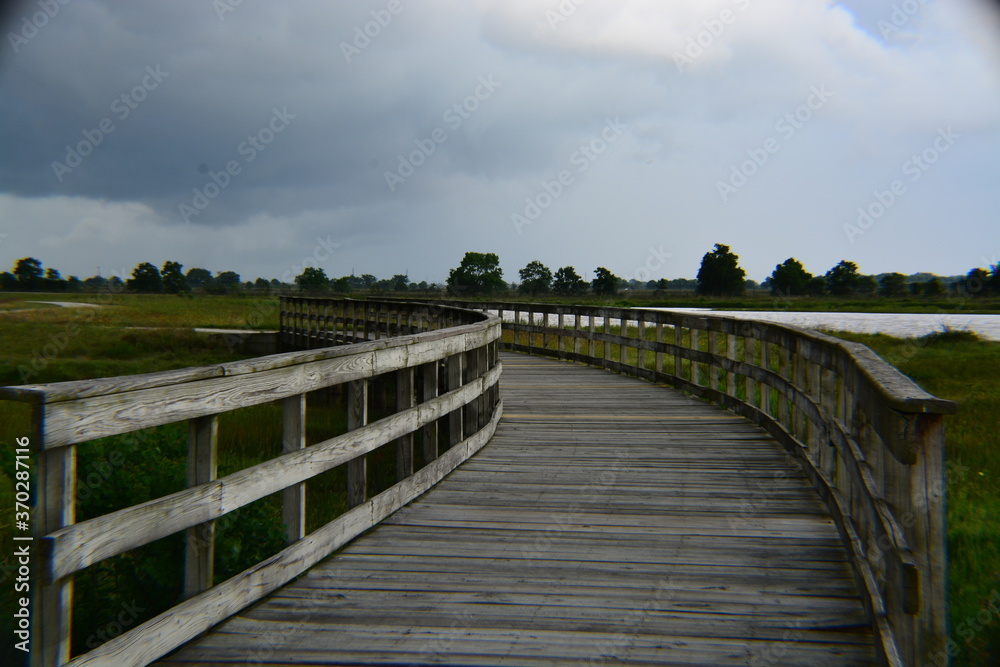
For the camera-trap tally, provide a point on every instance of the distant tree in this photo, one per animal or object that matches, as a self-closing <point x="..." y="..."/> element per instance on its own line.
<point x="342" y="285"/>
<point x="228" y="281"/>
<point x="53" y="282"/>
<point x="479" y="273"/>
<point x="816" y="286"/>
<point x="567" y="282"/>
<point x="400" y="283"/>
<point x="892" y="285"/>
<point x="720" y="273"/>
<point x="932" y="287"/>
<point x="94" y="283"/>
<point x="867" y="285"/>
<point x="536" y="278"/>
<point x="789" y="278"/>
<point x="368" y="280"/>
<point x="200" y="279"/>
<point x="262" y="284"/>
<point x="74" y="284"/>
<point x="29" y="273"/>
<point x="174" y="281"/>
<point x="116" y="284"/>
<point x="312" y="279"/>
<point x="994" y="281"/>
<point x="422" y="285"/>
<point x="145" y="278"/>
<point x="604" y="283"/>
<point x="843" y="279"/>
<point x="8" y="281"/>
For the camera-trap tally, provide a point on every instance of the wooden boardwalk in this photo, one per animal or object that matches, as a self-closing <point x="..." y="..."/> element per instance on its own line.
<point x="609" y="521"/>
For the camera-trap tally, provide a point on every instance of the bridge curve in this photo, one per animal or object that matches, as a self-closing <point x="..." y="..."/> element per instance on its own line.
<point x="608" y="521"/>
<point x="867" y="439"/>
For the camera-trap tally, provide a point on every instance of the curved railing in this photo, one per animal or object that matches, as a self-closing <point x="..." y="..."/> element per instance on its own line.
<point x="446" y="370"/>
<point x="869" y="438"/>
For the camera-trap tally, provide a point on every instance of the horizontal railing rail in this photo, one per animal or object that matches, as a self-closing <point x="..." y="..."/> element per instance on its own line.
<point x="445" y="366"/>
<point x="870" y="440"/>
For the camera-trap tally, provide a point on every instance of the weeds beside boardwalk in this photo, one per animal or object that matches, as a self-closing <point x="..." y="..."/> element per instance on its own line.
<point x="964" y="370"/>
<point x="54" y="344"/>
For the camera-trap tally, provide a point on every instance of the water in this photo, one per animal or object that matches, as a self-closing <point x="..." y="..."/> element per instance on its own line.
<point x="900" y="325"/>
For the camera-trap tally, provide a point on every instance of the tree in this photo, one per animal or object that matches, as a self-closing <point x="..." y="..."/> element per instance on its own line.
<point x="790" y="278"/>
<point x="843" y="279"/>
<point x="145" y="278"/>
<point x="568" y="282"/>
<point x="54" y="282"/>
<point x="262" y="284"/>
<point x="892" y="284"/>
<point x="228" y="281"/>
<point x="174" y="281"/>
<point x="8" y="281"/>
<point x="400" y="283"/>
<point x="932" y="287"/>
<point x="479" y="273"/>
<point x="720" y="273"/>
<point x="200" y="279"/>
<point x="604" y="283"/>
<point x="536" y="278"/>
<point x="368" y="280"/>
<point x="29" y="273"/>
<point x="312" y="279"/>
<point x="342" y="285"/>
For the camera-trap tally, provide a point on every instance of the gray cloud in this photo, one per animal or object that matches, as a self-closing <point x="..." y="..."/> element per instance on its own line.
<point x="355" y="105"/>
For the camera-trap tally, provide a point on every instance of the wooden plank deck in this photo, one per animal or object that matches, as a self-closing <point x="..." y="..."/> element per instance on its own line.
<point x="609" y="521"/>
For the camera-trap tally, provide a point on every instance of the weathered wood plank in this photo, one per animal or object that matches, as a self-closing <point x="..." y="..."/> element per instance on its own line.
<point x="679" y="528"/>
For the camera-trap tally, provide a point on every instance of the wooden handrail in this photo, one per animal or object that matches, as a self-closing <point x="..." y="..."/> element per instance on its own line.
<point x="451" y="351"/>
<point x="868" y="437"/>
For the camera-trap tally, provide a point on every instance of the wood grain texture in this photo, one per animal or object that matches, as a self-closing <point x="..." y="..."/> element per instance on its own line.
<point x="653" y="529"/>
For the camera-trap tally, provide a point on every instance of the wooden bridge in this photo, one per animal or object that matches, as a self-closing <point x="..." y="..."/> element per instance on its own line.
<point x="604" y="519"/>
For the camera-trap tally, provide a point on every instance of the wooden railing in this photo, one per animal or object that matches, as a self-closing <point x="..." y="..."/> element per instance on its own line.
<point x="869" y="438"/>
<point x="444" y="356"/>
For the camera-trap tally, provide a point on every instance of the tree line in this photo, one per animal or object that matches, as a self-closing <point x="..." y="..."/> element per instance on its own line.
<point x="480" y="274"/>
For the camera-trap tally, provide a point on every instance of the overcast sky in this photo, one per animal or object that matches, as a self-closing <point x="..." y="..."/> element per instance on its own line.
<point x="392" y="136"/>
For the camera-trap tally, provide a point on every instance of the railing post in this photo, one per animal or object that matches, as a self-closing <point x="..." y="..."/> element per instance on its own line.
<point x="659" y="340"/>
<point x="928" y="536"/>
<point x="591" y="344"/>
<point x="750" y="357"/>
<point x="404" y="445"/>
<point x="357" y="416"/>
<point x="731" y="343"/>
<point x="471" y="372"/>
<point x="430" y="433"/>
<point x="679" y="342"/>
<point x="695" y="366"/>
<point x="640" y="353"/>
<point x="56" y="498"/>
<point x="199" y="565"/>
<point x="713" y="347"/>
<point x="455" y="426"/>
<point x="293" y="438"/>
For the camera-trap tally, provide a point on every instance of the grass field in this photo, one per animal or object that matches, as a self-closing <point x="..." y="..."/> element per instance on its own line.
<point x="46" y="344"/>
